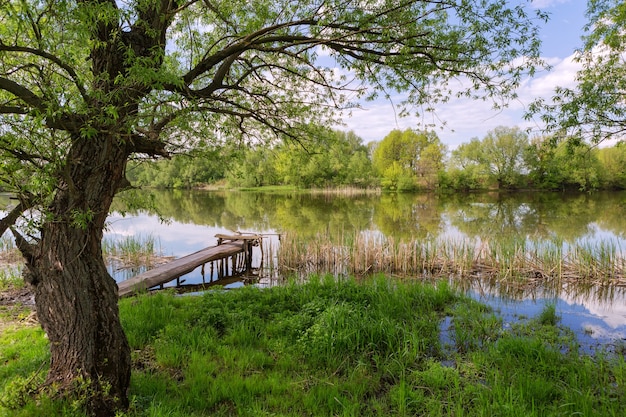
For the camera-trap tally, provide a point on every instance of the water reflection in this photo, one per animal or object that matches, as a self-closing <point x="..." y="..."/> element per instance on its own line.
<point x="566" y="217"/>
<point x="194" y="217"/>
<point x="599" y="322"/>
<point x="561" y="216"/>
<point x="596" y="313"/>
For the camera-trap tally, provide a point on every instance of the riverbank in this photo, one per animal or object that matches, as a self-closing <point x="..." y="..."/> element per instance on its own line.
<point x="373" y="348"/>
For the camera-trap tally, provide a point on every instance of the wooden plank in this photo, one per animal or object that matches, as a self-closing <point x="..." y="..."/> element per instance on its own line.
<point x="238" y="237"/>
<point x="178" y="267"/>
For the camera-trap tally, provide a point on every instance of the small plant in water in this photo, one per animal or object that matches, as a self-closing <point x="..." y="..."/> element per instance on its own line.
<point x="548" y="316"/>
<point x="131" y="251"/>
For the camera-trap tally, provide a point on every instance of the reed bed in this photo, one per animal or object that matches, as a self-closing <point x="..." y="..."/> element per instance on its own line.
<point x="501" y="261"/>
<point x="132" y="252"/>
<point x="9" y="254"/>
<point x="346" y="191"/>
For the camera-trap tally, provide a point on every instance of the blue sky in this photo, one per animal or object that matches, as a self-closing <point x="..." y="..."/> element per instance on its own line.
<point x="466" y="119"/>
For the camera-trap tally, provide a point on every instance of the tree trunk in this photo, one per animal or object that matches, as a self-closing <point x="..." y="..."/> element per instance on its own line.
<point x="77" y="306"/>
<point x="76" y="297"/>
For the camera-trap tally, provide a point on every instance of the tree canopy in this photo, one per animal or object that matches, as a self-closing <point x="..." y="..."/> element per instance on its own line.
<point x="596" y="108"/>
<point x="86" y="85"/>
<point x="409" y="159"/>
<point x="498" y="157"/>
<point x="335" y="159"/>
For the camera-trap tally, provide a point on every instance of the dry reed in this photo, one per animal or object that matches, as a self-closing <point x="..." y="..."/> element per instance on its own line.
<point x="346" y="191"/>
<point x="506" y="262"/>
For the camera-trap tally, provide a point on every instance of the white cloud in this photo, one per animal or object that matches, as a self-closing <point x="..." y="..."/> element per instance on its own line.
<point x="563" y="74"/>
<point x="612" y="312"/>
<point x="544" y="4"/>
<point x="462" y="119"/>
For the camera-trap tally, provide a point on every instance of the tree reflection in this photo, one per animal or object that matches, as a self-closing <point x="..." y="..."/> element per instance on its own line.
<point x="409" y="216"/>
<point x="535" y="216"/>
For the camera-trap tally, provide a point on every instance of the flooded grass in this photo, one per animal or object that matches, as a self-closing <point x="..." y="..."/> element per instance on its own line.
<point x="502" y="261"/>
<point x="133" y="252"/>
<point x="340" y="348"/>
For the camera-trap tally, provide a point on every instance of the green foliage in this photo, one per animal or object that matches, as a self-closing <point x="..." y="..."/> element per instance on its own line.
<point x="548" y="316"/>
<point x="23" y="353"/>
<point x="580" y="165"/>
<point x="11" y="278"/>
<point x="334" y="347"/>
<point x="113" y="82"/>
<point x="569" y="164"/>
<point x="87" y="86"/>
<point x="497" y="158"/>
<point x="182" y="171"/>
<point x="612" y="164"/>
<point x="596" y="108"/>
<point x="397" y="178"/>
<point x="407" y="160"/>
<point x="334" y="159"/>
<point x="544" y="169"/>
<point x="504" y="158"/>
<point x="255" y="168"/>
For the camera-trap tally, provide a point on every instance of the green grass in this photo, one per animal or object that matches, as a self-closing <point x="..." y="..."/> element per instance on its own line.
<point x="11" y="277"/>
<point x="6" y="243"/>
<point x="338" y="348"/>
<point x="9" y="254"/>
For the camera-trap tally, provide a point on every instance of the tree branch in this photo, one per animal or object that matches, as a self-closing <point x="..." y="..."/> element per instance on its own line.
<point x="236" y="49"/>
<point x="21" y="92"/>
<point x="72" y="73"/>
<point x="27" y="249"/>
<point x="13" y="110"/>
<point x="27" y="202"/>
<point x="141" y="143"/>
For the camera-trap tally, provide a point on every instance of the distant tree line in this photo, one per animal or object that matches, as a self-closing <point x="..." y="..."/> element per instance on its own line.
<point x="409" y="160"/>
<point x="507" y="159"/>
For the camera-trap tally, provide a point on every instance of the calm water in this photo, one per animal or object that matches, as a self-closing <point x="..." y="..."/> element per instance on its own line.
<point x="571" y="217"/>
<point x="192" y="218"/>
<point x="599" y="316"/>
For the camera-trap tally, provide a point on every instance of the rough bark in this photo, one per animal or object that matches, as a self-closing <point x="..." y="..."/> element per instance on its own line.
<point x="76" y="297"/>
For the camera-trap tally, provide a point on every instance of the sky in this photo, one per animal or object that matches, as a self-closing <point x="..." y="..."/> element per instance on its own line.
<point x="465" y="119"/>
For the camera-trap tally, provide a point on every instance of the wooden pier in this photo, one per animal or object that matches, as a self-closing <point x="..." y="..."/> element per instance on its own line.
<point x="228" y="246"/>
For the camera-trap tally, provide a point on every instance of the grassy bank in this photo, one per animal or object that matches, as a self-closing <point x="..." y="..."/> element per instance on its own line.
<point x="329" y="348"/>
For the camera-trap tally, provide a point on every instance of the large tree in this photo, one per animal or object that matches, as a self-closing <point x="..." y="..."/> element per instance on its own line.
<point x="87" y="84"/>
<point x="502" y="153"/>
<point x="409" y="159"/>
<point x="595" y="109"/>
<point x="499" y="156"/>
